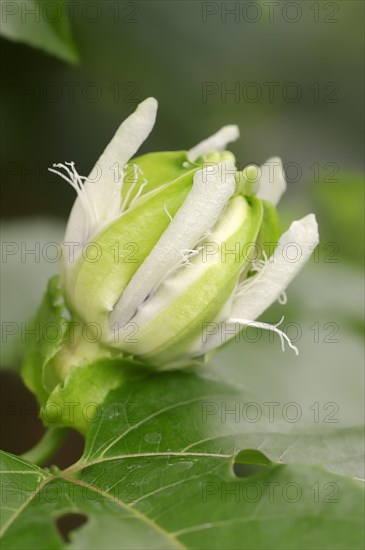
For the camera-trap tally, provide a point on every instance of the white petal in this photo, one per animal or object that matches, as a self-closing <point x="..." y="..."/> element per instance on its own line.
<point x="216" y="142"/>
<point x="104" y="194"/>
<point x="272" y="182"/>
<point x="294" y="249"/>
<point x="212" y="188"/>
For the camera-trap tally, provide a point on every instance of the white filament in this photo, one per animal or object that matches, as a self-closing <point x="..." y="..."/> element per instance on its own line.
<point x="267" y="326"/>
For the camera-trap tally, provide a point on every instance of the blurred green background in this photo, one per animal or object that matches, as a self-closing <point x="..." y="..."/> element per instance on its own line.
<point x="290" y="74"/>
<point x="55" y="111"/>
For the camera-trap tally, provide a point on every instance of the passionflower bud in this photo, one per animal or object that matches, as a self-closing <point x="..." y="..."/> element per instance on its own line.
<point x="163" y="250"/>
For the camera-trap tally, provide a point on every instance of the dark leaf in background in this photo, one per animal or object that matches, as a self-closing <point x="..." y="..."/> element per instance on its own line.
<point x="39" y="24"/>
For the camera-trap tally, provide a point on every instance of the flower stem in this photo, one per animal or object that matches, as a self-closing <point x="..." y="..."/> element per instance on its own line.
<point x="47" y="446"/>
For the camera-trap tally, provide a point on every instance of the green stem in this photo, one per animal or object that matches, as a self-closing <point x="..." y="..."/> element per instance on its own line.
<point x="47" y="446"/>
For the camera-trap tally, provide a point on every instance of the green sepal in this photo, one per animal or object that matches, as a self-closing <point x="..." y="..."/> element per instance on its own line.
<point x="155" y="169"/>
<point x="270" y="231"/>
<point x="70" y="394"/>
<point x="46" y="333"/>
<point x="78" y="401"/>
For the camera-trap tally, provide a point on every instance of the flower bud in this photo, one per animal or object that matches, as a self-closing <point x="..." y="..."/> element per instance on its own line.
<point x="159" y="246"/>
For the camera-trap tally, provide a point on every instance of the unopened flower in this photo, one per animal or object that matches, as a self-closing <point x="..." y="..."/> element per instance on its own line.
<point x="163" y="250"/>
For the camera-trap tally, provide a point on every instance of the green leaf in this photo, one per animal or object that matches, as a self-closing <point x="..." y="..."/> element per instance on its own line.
<point x="40" y="24"/>
<point x="252" y="456"/>
<point x="158" y="471"/>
